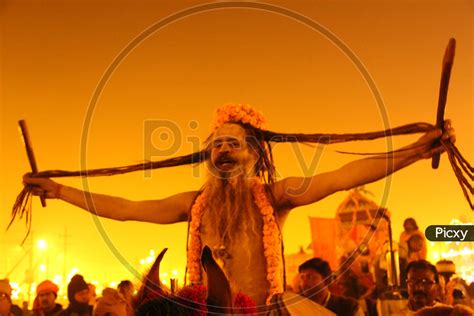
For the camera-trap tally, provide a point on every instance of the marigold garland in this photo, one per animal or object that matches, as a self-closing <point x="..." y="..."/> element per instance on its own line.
<point x="237" y="113"/>
<point x="193" y="266"/>
<point x="271" y="234"/>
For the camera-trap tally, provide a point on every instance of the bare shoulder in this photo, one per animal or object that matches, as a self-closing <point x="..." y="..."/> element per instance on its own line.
<point x="279" y="190"/>
<point x="183" y="199"/>
<point x="292" y="192"/>
<point x="288" y="189"/>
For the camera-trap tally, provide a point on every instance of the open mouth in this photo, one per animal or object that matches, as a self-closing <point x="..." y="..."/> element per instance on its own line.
<point x="419" y="296"/>
<point x="225" y="162"/>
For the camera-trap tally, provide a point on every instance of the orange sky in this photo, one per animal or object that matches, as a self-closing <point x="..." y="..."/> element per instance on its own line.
<point x="54" y="54"/>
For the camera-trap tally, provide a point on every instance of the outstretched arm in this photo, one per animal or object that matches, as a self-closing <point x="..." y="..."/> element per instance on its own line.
<point x="296" y="191"/>
<point x="166" y="211"/>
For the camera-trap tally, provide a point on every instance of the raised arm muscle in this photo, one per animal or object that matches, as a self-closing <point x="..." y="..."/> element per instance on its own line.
<point x="165" y="211"/>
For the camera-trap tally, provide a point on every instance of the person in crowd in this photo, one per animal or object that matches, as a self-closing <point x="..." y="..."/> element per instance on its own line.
<point x="24" y="309"/>
<point x="423" y="285"/>
<point x="413" y="240"/>
<point x="79" y="295"/>
<point x="112" y="303"/>
<point x="45" y="301"/>
<point x="446" y="269"/>
<point x="315" y="277"/>
<point x="18" y="311"/>
<point x="6" y="302"/>
<point x="5" y="298"/>
<point x="126" y="289"/>
<point x="93" y="294"/>
<point x="446" y="310"/>
<point x="457" y="291"/>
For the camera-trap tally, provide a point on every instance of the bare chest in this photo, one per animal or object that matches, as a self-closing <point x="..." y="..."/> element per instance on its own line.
<point x="241" y="256"/>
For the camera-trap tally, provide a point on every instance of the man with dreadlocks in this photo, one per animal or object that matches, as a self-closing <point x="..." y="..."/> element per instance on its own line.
<point x="240" y="211"/>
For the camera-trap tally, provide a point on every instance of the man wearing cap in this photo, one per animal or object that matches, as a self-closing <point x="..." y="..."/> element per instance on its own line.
<point x="78" y="295"/>
<point x="45" y="301"/>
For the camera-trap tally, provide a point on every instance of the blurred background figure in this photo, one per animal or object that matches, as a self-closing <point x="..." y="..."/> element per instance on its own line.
<point x="446" y="310"/>
<point x="315" y="277"/>
<point x="92" y="293"/>
<point x="127" y="290"/>
<point x="79" y="296"/>
<point x="110" y="304"/>
<point x="5" y="298"/>
<point x="6" y="306"/>
<point x="24" y="309"/>
<point x="413" y="241"/>
<point x="446" y="269"/>
<point x="456" y="290"/>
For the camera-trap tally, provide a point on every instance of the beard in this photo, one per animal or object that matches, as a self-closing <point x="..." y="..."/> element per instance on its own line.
<point x="231" y="206"/>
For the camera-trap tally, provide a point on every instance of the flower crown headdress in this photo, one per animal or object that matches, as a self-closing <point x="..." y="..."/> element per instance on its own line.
<point x="237" y="113"/>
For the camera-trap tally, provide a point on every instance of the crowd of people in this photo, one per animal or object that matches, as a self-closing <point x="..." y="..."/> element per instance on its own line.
<point x="426" y="293"/>
<point x="81" y="297"/>
<point x="420" y="285"/>
<point x="427" y="289"/>
<point x="240" y="211"/>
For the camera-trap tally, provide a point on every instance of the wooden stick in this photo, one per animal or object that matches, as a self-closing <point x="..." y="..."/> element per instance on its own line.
<point x="448" y="60"/>
<point x="29" y="152"/>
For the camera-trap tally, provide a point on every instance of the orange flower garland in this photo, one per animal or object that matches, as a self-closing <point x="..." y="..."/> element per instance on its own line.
<point x="193" y="266"/>
<point x="237" y="113"/>
<point x="271" y="234"/>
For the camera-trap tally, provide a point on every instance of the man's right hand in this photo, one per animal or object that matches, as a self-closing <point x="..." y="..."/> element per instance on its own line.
<point x="42" y="186"/>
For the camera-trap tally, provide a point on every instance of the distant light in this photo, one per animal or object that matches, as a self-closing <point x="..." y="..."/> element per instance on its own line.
<point x="113" y="284"/>
<point x="174" y="272"/>
<point x="142" y="261"/>
<point x="164" y="282"/>
<point x="42" y="267"/>
<point x="99" y="289"/>
<point x="152" y="252"/>
<point x="72" y="273"/>
<point x="16" y="290"/>
<point x="149" y="259"/>
<point x="57" y="279"/>
<point x="42" y="244"/>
